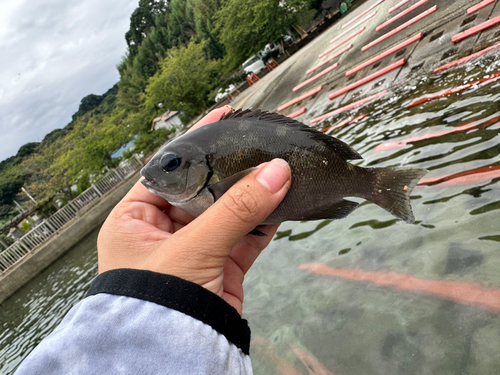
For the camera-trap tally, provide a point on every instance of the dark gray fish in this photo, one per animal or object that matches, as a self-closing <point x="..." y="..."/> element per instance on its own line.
<point x="194" y="170"/>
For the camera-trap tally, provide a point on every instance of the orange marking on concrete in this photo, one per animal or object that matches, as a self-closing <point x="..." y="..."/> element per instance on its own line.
<point x="462" y="292"/>
<point x="298" y="113"/>
<point x="479" y="6"/>
<point x="362" y="14"/>
<point x="336" y="54"/>
<point x="473" y="125"/>
<point x="386" y="53"/>
<point x="455" y="90"/>
<point x="353" y="26"/>
<point x="398" y="5"/>
<point x="356" y="33"/>
<point x="400" y="28"/>
<point x="402" y="14"/>
<point x="314" y="78"/>
<point x="349" y="106"/>
<point x="313" y="366"/>
<point x="371" y="77"/>
<point x="476" y="29"/>
<point x="473" y="176"/>
<point x="465" y="59"/>
<point x="300" y="98"/>
<point x="344" y="123"/>
<point x="264" y="348"/>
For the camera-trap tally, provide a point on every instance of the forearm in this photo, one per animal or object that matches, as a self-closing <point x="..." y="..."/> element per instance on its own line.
<point x="135" y="322"/>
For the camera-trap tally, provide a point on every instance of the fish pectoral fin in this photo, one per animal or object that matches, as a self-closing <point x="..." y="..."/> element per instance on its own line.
<point x="219" y="188"/>
<point x="341" y="209"/>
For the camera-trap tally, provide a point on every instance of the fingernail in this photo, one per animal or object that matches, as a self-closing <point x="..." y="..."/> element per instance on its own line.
<point x="274" y="175"/>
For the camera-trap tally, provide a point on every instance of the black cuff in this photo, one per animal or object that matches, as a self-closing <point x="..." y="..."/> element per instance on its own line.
<point x="177" y="294"/>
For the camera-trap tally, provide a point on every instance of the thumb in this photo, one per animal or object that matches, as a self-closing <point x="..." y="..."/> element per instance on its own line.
<point x="247" y="204"/>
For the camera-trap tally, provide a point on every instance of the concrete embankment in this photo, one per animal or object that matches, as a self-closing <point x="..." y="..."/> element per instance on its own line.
<point x="45" y="255"/>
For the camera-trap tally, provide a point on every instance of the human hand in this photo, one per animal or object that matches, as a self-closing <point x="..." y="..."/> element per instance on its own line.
<point x="213" y="250"/>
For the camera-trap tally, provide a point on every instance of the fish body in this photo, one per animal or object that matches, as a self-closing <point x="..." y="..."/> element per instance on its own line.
<point x="194" y="170"/>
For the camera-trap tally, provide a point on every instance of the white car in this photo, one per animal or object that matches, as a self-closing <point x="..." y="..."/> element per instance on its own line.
<point x="221" y="95"/>
<point x="253" y="65"/>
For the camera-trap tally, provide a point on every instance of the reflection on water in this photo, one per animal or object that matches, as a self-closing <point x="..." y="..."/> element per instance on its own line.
<point x="34" y="311"/>
<point x="372" y="295"/>
<point x="367" y="294"/>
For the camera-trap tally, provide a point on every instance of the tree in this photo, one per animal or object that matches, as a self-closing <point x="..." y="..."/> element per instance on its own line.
<point x="245" y="27"/>
<point x="184" y="81"/>
<point x="204" y="12"/>
<point x="156" y="31"/>
<point x="180" y="23"/>
<point x="91" y="145"/>
<point x="142" y="21"/>
<point x="136" y="70"/>
<point x="27" y="149"/>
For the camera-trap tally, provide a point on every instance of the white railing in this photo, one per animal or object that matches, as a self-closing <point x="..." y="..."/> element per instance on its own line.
<point x="50" y="226"/>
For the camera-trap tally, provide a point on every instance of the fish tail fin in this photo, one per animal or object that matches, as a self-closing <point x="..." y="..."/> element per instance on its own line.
<point x="393" y="188"/>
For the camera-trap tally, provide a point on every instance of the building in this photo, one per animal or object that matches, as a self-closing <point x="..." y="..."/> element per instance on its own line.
<point x="169" y="120"/>
<point x="15" y="233"/>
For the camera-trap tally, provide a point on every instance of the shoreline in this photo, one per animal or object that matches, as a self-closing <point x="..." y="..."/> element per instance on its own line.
<point x="41" y="258"/>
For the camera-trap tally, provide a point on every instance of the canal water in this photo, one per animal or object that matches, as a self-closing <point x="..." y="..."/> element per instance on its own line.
<point x="36" y="309"/>
<point x="367" y="294"/>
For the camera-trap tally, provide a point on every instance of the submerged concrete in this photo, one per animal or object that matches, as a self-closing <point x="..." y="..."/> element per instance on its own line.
<point x="436" y="20"/>
<point x="41" y="258"/>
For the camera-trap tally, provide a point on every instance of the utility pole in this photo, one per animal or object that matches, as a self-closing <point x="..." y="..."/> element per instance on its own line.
<point x="21" y="209"/>
<point x="29" y="196"/>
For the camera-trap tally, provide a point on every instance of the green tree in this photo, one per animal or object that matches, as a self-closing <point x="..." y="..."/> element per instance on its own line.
<point x="246" y="26"/>
<point x="136" y="70"/>
<point x="180" y="23"/>
<point x="204" y="18"/>
<point x="142" y="20"/>
<point x="153" y="32"/>
<point x="27" y="149"/>
<point x="90" y="146"/>
<point x="184" y="81"/>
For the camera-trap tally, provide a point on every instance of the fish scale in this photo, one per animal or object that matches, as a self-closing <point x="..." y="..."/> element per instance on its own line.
<point x="212" y="158"/>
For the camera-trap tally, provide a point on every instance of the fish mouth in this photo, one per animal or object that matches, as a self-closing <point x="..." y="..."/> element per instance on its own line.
<point x="149" y="183"/>
<point x="148" y="180"/>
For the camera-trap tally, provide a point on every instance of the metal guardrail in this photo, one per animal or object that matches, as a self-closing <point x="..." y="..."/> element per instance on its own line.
<point x="51" y="226"/>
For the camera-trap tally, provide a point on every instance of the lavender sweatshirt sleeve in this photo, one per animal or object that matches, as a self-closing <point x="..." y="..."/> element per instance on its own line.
<point x="141" y="322"/>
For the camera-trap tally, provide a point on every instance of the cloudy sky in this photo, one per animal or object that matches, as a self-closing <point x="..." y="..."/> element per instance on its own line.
<point x="53" y="53"/>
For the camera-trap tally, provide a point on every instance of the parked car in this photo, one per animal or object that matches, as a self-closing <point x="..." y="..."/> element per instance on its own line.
<point x="253" y="65"/>
<point x="222" y="94"/>
<point x="271" y="50"/>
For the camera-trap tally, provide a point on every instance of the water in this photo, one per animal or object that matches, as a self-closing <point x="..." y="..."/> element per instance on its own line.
<point x="367" y="294"/>
<point x="373" y="295"/>
<point x="36" y="309"/>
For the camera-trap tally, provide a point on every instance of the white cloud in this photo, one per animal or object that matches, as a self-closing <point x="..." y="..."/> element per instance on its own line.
<point x="53" y="54"/>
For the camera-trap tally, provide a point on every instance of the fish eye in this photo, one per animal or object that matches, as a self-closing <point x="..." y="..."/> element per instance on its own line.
<point x="170" y="162"/>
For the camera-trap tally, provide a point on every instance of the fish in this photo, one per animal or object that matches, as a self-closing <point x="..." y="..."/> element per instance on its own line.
<point x="193" y="171"/>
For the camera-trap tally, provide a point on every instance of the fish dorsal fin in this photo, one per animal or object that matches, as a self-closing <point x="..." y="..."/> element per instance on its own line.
<point x="261" y="115"/>
<point x="342" y="148"/>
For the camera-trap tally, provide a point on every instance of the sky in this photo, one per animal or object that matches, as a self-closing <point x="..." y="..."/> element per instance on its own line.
<point x="52" y="54"/>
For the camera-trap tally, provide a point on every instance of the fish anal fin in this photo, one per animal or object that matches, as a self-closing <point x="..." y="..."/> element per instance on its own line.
<point x="336" y="210"/>
<point x="342" y="208"/>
